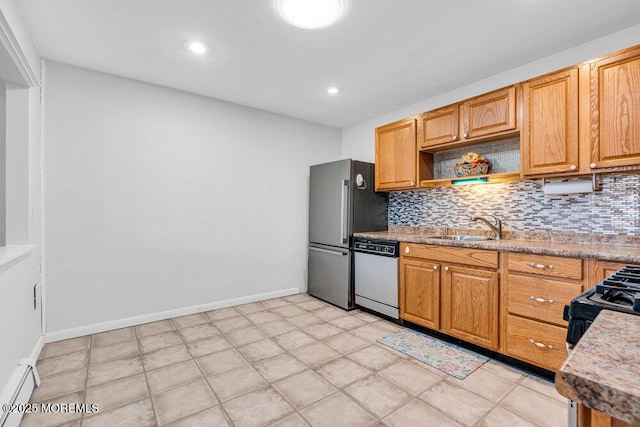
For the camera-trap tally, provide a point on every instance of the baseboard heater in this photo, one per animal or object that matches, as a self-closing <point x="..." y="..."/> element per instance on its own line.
<point x="18" y="391"/>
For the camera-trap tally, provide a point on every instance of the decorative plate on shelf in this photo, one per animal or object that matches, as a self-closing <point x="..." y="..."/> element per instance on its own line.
<point x="472" y="164"/>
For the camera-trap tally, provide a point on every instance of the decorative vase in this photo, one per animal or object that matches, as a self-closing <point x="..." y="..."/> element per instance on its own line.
<point x="472" y="169"/>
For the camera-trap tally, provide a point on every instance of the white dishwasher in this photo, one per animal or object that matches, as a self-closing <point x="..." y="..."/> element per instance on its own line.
<point x="376" y="275"/>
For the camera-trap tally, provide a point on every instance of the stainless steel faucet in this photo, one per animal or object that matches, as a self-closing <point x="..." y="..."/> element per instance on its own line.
<point x="494" y="224"/>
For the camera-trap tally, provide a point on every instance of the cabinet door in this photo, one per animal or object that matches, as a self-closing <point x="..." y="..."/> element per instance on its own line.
<point x="588" y="417"/>
<point x="489" y="114"/>
<point x="396" y="154"/>
<point x="439" y="126"/>
<point x="615" y="111"/>
<point x="600" y="270"/>
<point x="550" y="127"/>
<point x="420" y="292"/>
<point x="470" y="305"/>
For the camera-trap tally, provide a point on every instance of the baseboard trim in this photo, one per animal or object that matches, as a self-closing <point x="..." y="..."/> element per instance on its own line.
<point x="153" y="317"/>
<point x="20" y="385"/>
<point x="35" y="353"/>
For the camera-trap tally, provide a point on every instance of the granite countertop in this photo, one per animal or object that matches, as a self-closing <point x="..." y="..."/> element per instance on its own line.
<point x="578" y="245"/>
<point x="603" y="371"/>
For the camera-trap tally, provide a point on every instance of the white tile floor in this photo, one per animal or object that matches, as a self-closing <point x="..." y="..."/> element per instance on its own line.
<point x="293" y="361"/>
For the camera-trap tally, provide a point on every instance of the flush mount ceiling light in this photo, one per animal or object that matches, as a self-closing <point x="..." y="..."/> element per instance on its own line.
<point x="196" y="47"/>
<point x="310" y="14"/>
<point x="333" y="90"/>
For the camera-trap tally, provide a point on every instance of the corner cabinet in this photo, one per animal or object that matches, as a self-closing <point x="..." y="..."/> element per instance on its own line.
<point x="396" y="156"/>
<point x="549" y="138"/>
<point x="614" y="89"/>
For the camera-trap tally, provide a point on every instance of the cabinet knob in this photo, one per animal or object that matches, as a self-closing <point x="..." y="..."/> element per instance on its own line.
<point x="446" y="269"/>
<point x="411" y="183"/>
<point x="435" y="267"/>
<point x="454" y="137"/>
<point x="466" y="135"/>
<point x="406" y="250"/>
<point x="573" y="167"/>
<point x="592" y="165"/>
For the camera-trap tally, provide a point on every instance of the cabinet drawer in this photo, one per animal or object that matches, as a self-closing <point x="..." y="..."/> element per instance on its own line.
<point x="535" y="342"/>
<point x="541" y="299"/>
<point x="452" y="255"/>
<point x="568" y="268"/>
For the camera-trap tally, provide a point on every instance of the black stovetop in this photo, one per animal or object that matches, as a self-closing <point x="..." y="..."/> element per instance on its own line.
<point x="619" y="292"/>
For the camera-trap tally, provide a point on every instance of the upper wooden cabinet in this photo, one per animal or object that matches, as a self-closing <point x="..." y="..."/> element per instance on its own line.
<point x="614" y="87"/>
<point x="549" y="137"/>
<point x="489" y="114"/>
<point x="439" y="126"/>
<point x="581" y="120"/>
<point x="479" y="118"/>
<point x="396" y="156"/>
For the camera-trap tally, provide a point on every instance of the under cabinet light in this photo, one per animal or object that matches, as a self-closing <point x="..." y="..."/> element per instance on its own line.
<point x="469" y="181"/>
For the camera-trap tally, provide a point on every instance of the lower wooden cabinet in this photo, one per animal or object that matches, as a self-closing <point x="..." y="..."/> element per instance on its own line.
<point x="540" y="299"/>
<point x="600" y="270"/>
<point x="535" y="289"/>
<point x="470" y="305"/>
<point x="504" y="301"/>
<point x="591" y="418"/>
<point x="537" y="343"/>
<point x="420" y="292"/>
<point x="459" y="299"/>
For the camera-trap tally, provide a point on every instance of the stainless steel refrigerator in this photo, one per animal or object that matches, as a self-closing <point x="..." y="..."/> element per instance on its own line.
<point x="342" y="201"/>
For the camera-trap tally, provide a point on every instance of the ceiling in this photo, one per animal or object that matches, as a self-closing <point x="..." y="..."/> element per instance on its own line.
<point x="383" y="54"/>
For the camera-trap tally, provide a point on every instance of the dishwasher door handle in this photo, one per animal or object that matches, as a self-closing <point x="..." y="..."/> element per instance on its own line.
<point x="327" y="251"/>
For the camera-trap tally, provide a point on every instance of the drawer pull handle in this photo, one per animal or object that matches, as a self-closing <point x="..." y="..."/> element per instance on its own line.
<point x="435" y="267"/>
<point x="541" y="344"/>
<point x="540" y="266"/>
<point x="538" y="299"/>
<point x="446" y="268"/>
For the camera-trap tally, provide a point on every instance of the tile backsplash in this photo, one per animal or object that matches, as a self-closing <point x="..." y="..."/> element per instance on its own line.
<point x="504" y="156"/>
<point x="522" y="205"/>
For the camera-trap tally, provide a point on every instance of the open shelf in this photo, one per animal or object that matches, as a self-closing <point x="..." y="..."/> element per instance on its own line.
<point x="491" y="178"/>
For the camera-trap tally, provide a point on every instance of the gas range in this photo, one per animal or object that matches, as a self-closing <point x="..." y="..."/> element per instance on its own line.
<point x="619" y="292"/>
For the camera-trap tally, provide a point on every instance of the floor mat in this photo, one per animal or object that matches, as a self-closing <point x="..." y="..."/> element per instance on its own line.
<point x="448" y="358"/>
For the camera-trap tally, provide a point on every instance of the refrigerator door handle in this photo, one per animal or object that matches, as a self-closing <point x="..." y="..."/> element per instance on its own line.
<point x="327" y="251"/>
<point x="344" y="210"/>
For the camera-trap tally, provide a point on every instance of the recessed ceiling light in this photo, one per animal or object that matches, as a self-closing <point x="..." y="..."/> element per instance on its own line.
<point x="196" y="47"/>
<point x="310" y="14"/>
<point x="333" y="90"/>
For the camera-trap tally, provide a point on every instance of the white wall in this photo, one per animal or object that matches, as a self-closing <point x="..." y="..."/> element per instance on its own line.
<point x="20" y="323"/>
<point x="358" y="140"/>
<point x="158" y="200"/>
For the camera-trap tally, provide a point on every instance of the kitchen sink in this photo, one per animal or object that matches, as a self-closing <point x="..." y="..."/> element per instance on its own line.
<point x="465" y="238"/>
